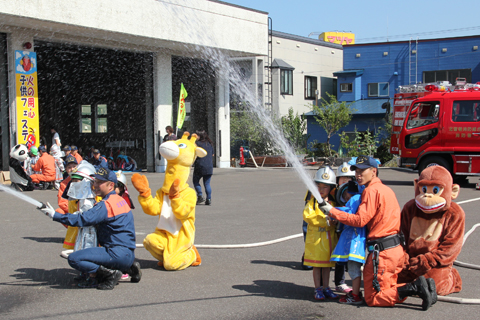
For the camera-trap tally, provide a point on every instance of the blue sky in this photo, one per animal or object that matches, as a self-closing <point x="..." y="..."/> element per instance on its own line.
<point x="373" y="20"/>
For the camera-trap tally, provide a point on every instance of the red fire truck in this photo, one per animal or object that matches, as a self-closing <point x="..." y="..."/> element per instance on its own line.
<point x="438" y="124"/>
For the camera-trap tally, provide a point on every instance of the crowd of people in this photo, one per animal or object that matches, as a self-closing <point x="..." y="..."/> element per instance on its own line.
<point x="353" y="211"/>
<point x="336" y="236"/>
<point x="95" y="206"/>
<point x="39" y="169"/>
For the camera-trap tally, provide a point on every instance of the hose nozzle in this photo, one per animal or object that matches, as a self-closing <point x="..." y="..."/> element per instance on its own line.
<point x="43" y="206"/>
<point x="320" y="204"/>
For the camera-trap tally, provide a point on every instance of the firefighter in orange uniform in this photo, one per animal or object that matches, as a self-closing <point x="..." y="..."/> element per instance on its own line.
<point x="380" y="212"/>
<point x="46" y="165"/>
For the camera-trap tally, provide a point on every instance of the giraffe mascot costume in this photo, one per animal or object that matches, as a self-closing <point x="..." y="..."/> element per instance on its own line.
<point x="172" y="241"/>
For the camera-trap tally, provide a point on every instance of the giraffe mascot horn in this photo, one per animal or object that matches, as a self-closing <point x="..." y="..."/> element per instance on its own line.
<point x="172" y="242"/>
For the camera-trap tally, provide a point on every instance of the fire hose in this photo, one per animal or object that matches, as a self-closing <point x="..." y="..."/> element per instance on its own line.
<point x="266" y="243"/>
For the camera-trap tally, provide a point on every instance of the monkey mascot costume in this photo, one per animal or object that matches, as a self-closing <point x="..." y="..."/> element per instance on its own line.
<point x="172" y="242"/>
<point x="433" y="226"/>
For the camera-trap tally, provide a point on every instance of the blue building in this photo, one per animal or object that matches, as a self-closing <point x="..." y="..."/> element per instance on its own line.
<point x="373" y="71"/>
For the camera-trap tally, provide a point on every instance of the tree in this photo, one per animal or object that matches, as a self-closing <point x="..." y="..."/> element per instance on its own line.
<point x="247" y="129"/>
<point x="367" y="143"/>
<point x="331" y="116"/>
<point x="294" y="127"/>
<point x="385" y="134"/>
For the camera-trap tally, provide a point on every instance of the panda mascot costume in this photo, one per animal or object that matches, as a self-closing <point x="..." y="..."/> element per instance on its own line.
<point x="20" y="180"/>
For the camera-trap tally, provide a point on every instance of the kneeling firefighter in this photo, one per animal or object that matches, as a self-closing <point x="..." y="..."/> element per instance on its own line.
<point x="380" y="212"/>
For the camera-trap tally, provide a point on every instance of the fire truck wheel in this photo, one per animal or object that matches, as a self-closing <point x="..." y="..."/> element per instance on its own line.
<point x="433" y="161"/>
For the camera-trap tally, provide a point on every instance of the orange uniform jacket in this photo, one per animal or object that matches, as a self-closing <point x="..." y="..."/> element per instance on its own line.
<point x="380" y="212"/>
<point x="46" y="165"/>
<point x="78" y="157"/>
<point x="62" y="202"/>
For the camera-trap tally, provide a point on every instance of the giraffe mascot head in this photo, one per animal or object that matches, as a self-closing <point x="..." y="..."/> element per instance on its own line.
<point x="180" y="155"/>
<point x="174" y="202"/>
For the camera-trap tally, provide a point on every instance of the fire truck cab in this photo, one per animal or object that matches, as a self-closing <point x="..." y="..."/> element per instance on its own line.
<point x="440" y="127"/>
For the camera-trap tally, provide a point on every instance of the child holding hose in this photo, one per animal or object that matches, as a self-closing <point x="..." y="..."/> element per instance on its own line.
<point x="321" y="237"/>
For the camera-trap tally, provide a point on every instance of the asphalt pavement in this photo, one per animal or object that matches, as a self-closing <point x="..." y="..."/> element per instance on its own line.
<point x="248" y="206"/>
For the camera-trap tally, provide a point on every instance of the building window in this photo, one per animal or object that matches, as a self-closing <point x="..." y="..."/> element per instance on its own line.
<point x="286" y="82"/>
<point x="447" y="75"/>
<point x="93" y="116"/>
<point x="346" y="87"/>
<point x="101" y="118"/>
<point x="86" y="119"/>
<point x="380" y="89"/>
<point x="310" y="87"/>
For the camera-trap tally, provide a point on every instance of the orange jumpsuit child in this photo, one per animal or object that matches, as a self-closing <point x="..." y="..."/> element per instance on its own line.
<point x="46" y="165"/>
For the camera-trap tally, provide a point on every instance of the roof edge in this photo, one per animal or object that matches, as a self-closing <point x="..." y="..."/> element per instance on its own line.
<point x="238" y="6"/>
<point x="289" y="36"/>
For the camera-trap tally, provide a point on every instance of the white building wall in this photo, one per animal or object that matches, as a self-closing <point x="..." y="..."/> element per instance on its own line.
<point x="168" y="23"/>
<point x="308" y="60"/>
<point x="166" y="28"/>
<point x="222" y="97"/>
<point x="162" y="103"/>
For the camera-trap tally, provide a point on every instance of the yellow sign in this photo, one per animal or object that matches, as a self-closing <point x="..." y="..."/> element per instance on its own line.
<point x="28" y="131"/>
<point x="343" y="38"/>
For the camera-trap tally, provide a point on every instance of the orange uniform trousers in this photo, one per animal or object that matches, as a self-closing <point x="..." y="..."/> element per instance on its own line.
<point x="36" y="178"/>
<point x="390" y="264"/>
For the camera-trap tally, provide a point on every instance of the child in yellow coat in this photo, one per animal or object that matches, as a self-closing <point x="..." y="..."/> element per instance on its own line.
<point x="321" y="238"/>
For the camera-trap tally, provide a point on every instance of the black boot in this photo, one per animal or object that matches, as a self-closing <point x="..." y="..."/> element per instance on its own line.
<point x="418" y="287"/>
<point x="135" y="272"/>
<point x="208" y="202"/>
<point x="107" y="278"/>
<point x="200" y="200"/>
<point x="433" y="290"/>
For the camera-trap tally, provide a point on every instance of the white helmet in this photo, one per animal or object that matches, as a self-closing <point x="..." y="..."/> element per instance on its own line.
<point x="325" y="175"/>
<point x="84" y="169"/>
<point x="345" y="171"/>
<point x="55" y="151"/>
<point x="19" y="152"/>
<point x="121" y="177"/>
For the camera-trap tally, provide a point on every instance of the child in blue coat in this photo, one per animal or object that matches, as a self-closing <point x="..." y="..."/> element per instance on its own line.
<point x="351" y="245"/>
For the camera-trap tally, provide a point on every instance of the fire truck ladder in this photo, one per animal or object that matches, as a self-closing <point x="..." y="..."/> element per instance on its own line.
<point x="412" y="61"/>
<point x="268" y="69"/>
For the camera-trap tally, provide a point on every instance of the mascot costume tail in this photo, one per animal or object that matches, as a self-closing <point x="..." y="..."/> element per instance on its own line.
<point x="433" y="226"/>
<point x="172" y="242"/>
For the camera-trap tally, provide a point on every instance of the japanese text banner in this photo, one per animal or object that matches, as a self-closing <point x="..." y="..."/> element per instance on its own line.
<point x="28" y="131"/>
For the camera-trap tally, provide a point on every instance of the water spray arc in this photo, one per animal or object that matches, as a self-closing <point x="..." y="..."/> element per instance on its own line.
<point x="21" y="196"/>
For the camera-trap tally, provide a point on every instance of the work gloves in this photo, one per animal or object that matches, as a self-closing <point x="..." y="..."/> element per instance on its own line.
<point x="48" y="210"/>
<point x="325" y="207"/>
